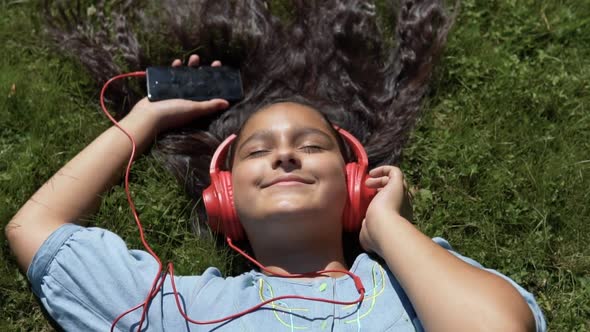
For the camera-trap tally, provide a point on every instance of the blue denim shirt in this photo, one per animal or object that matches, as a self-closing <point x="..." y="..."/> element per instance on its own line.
<point x="86" y="277"/>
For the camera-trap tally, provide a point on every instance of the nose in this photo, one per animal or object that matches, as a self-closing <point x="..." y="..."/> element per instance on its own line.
<point x="287" y="159"/>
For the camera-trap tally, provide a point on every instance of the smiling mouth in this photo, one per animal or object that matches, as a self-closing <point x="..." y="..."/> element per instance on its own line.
<point x="288" y="183"/>
<point x="288" y="180"/>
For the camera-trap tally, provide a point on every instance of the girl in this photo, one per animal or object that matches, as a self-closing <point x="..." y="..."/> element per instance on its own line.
<point x="289" y="191"/>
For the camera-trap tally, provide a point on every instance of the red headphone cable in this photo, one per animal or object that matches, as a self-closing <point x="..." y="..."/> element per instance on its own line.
<point x="161" y="277"/>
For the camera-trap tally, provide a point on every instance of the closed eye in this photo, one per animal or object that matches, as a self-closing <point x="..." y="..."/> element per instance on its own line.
<point x="257" y="153"/>
<point x="311" y="148"/>
<point x="306" y="149"/>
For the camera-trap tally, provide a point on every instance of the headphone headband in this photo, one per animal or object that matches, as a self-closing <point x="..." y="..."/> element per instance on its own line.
<point x="357" y="147"/>
<point x="220" y="154"/>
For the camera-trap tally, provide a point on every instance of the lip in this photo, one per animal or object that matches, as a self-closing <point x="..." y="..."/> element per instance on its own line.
<point x="288" y="180"/>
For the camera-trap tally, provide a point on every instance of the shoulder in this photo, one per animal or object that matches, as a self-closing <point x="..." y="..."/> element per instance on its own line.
<point x="62" y="237"/>
<point x="75" y="250"/>
<point x="528" y="297"/>
<point x="85" y="277"/>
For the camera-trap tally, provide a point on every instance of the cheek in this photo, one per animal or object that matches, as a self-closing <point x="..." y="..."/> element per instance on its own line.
<point x="245" y="177"/>
<point x="333" y="175"/>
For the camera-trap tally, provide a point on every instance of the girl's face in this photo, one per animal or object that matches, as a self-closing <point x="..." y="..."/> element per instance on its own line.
<point x="287" y="167"/>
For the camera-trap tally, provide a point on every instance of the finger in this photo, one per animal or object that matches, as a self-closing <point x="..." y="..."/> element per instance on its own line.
<point x="216" y="63"/>
<point x="193" y="60"/>
<point x="213" y="104"/>
<point x="390" y="171"/>
<point x="176" y="63"/>
<point x="380" y="171"/>
<point x="377" y="182"/>
<point x="183" y="105"/>
<point x="188" y="109"/>
<point x="216" y="104"/>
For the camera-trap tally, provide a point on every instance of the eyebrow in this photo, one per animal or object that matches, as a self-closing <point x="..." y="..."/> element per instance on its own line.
<point x="299" y="131"/>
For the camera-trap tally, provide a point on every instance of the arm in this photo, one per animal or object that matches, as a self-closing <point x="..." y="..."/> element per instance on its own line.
<point x="74" y="191"/>
<point x="447" y="293"/>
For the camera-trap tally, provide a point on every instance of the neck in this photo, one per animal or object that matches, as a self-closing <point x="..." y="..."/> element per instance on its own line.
<point x="295" y="257"/>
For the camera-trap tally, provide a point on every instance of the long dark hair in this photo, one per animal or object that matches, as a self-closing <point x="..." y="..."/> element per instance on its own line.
<point x="329" y="52"/>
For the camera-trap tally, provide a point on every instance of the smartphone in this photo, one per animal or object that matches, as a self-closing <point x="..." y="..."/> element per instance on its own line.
<point x="201" y="83"/>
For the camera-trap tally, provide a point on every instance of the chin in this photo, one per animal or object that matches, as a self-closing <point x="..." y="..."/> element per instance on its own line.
<point x="291" y="208"/>
<point x="288" y="209"/>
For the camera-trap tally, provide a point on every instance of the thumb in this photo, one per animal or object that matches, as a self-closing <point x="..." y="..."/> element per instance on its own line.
<point x="178" y="112"/>
<point x="218" y="104"/>
<point x="207" y="106"/>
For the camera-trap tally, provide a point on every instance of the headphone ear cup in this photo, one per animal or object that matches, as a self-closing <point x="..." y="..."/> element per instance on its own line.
<point x="366" y="194"/>
<point x="350" y="218"/>
<point x="231" y="224"/>
<point x="359" y="197"/>
<point x="212" y="203"/>
<point x="219" y="203"/>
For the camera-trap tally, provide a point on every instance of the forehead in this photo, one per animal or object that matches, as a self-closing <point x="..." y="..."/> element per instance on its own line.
<point x="283" y="116"/>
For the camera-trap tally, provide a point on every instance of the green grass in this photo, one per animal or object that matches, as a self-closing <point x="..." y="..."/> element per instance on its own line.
<point x="500" y="159"/>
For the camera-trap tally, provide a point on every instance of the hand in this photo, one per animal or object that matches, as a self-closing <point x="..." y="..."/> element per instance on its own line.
<point x="392" y="200"/>
<point x="173" y="113"/>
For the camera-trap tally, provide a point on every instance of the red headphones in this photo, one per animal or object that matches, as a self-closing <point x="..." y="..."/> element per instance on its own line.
<point x="219" y="200"/>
